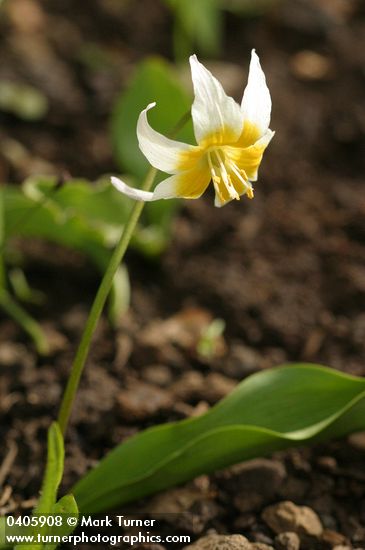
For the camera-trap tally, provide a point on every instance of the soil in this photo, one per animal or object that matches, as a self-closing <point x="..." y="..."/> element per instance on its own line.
<point x="286" y="271"/>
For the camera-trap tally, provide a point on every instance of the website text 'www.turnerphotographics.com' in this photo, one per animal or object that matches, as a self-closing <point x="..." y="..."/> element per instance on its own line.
<point x="112" y="530"/>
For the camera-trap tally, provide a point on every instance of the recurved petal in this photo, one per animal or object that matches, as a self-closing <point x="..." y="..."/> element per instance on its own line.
<point x="163" y="153"/>
<point x="256" y="101"/>
<point x="131" y="192"/>
<point x="217" y="118"/>
<point x="249" y="159"/>
<point x="190" y="184"/>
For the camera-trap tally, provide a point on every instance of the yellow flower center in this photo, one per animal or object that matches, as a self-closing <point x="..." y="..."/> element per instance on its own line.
<point x="229" y="180"/>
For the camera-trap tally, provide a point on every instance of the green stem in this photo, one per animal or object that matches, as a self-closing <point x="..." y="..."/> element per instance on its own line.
<point x="29" y="325"/>
<point x="97" y="307"/>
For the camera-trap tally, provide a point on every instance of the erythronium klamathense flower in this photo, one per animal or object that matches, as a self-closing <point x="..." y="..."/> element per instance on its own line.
<point x="231" y="139"/>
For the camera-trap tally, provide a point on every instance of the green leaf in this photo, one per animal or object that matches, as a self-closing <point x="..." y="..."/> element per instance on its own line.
<point x="54" y="470"/>
<point x="198" y="27"/>
<point x="65" y="507"/>
<point x="86" y="217"/>
<point x="28" y="324"/>
<point x="51" y="480"/>
<point x="271" y="410"/>
<point x="6" y="530"/>
<point x="77" y="215"/>
<point x="154" y="80"/>
<point x="21" y="288"/>
<point x="22" y="100"/>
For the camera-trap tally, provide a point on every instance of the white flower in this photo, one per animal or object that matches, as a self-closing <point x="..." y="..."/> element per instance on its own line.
<point x="231" y="139"/>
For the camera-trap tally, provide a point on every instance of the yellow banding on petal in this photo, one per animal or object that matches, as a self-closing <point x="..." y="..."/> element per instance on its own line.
<point x="193" y="183"/>
<point x="188" y="160"/>
<point x="226" y="136"/>
<point x="247" y="159"/>
<point x="250" y="134"/>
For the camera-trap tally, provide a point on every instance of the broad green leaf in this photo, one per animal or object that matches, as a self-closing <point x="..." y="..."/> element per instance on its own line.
<point x="270" y="410"/>
<point x="154" y="80"/>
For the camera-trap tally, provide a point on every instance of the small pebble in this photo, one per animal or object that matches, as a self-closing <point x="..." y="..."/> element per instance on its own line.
<point x="332" y="538"/>
<point x="142" y="400"/>
<point x="287" y="541"/>
<point x="287" y="516"/>
<point x="357" y="441"/>
<point x="254" y="483"/>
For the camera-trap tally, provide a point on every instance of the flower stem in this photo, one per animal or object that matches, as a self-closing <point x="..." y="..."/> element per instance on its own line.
<point x="97" y="307"/>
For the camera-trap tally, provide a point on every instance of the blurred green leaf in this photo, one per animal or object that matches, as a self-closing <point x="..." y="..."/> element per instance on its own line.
<point x="208" y="340"/>
<point x="271" y="410"/>
<point x="198" y="27"/>
<point x="77" y="215"/>
<point x="88" y="218"/>
<point x="21" y="288"/>
<point x="22" y="100"/>
<point x="154" y="80"/>
<point x="28" y="324"/>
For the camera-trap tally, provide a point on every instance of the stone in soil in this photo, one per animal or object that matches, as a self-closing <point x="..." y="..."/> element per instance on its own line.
<point x="254" y="483"/>
<point x="287" y="516"/>
<point x="189" y="508"/>
<point x="142" y="400"/>
<point x="287" y="541"/>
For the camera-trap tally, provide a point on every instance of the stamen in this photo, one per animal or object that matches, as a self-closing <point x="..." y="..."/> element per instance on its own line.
<point x="216" y="183"/>
<point x="242" y="176"/>
<point x="249" y="192"/>
<point x="226" y="177"/>
<point x="218" y="169"/>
